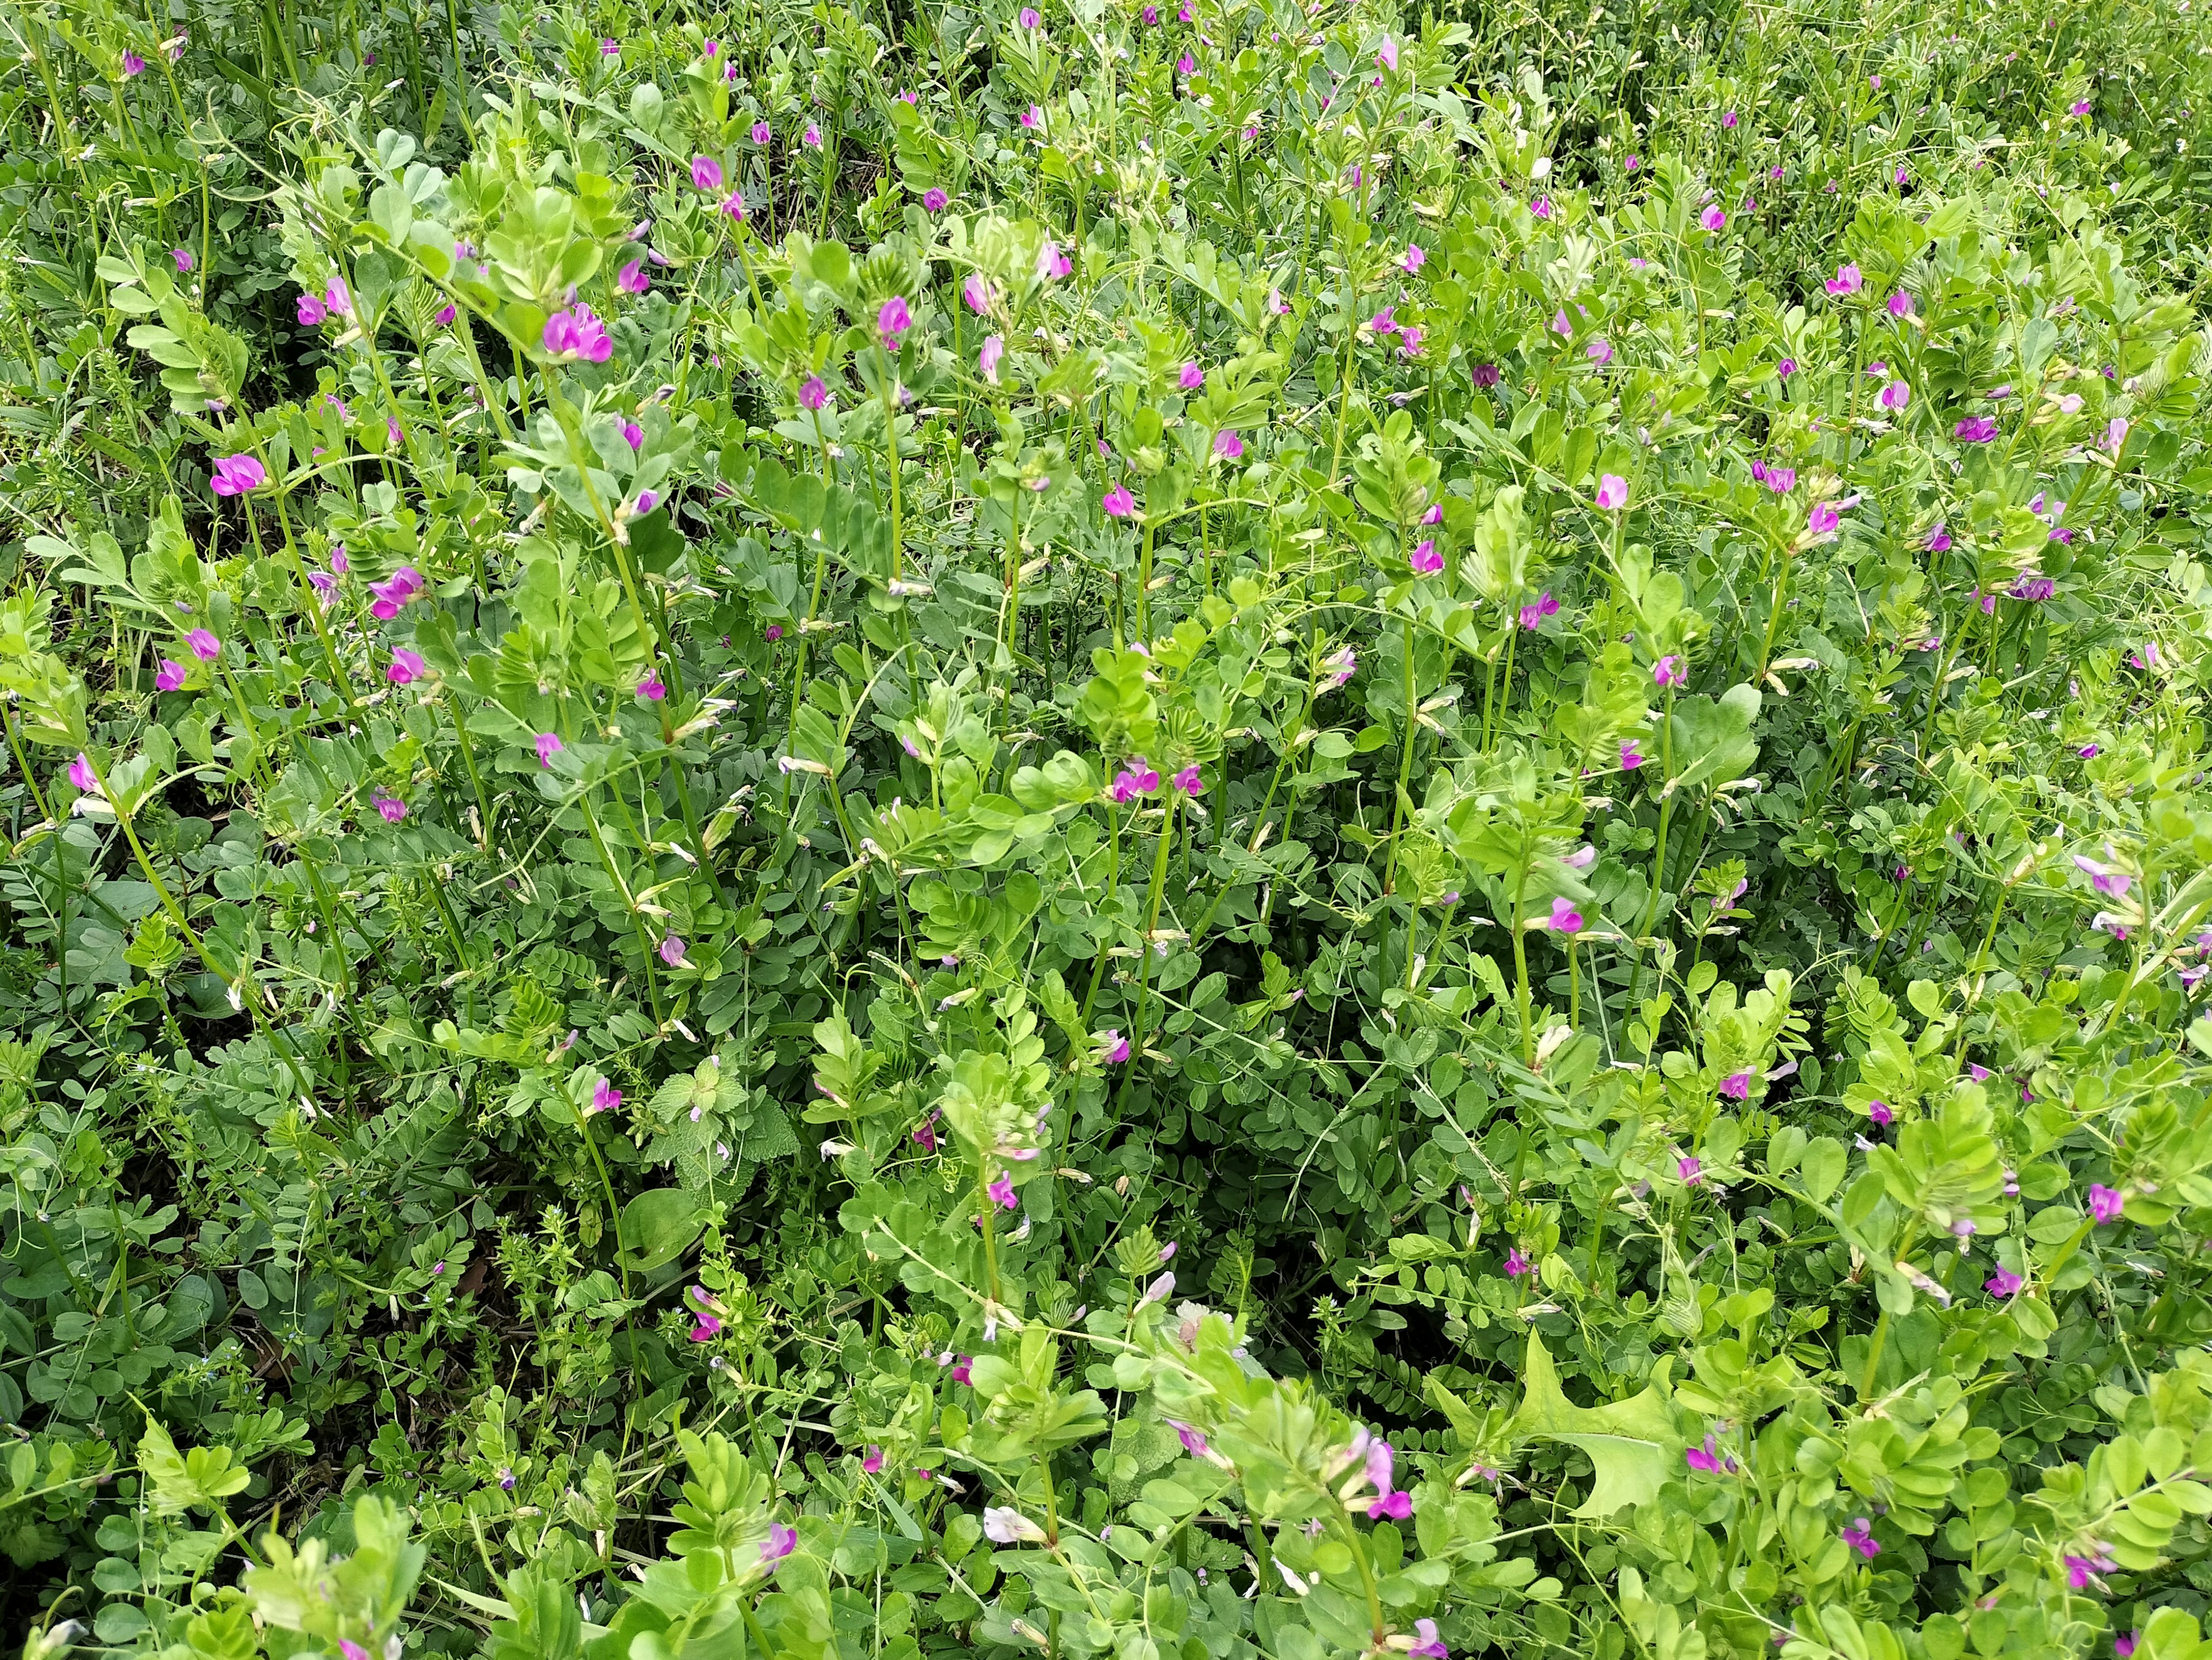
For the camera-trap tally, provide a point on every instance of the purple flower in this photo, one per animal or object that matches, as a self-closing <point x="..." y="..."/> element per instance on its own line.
<point x="1114" y="1049"/>
<point x="871" y="1462"/>
<point x="1737" y="1085"/>
<point x="1729" y="119"/>
<point x="170" y="675"/>
<point x="633" y="435"/>
<point x="1339" y="665"/>
<point x="1845" y="281"/>
<point x="609" y="48"/>
<point x="1029" y="18"/>
<point x="2003" y="1282"/>
<point x="1414" y="258"/>
<point x="1900" y="304"/>
<point x="1186" y="65"/>
<point x="1486" y="376"/>
<point x="574" y="334"/>
<point x="1542" y="207"/>
<point x="1533" y="616"/>
<point x="1785" y="368"/>
<point x="1976" y="429"/>
<point x="933" y="200"/>
<point x="1516" y="1264"/>
<point x="1564" y="918"/>
<point x="407" y="667"/>
<point x="734" y="203"/>
<point x="446" y="315"/>
<point x="604" y="1096"/>
<point x="926" y="1137"/>
<point x="506" y="1479"/>
<point x="1860" y="1539"/>
<point x="81" y="774"/>
<point x="671" y="950"/>
<point x="963" y="1370"/>
<point x="812" y="137"/>
<point x="132" y="62"/>
<point x="205" y="646"/>
<point x="988" y="358"/>
<point x="650" y="688"/>
<point x="2116" y="434"/>
<point x="1939" y="540"/>
<point x="1193" y="1442"/>
<point x="1118" y="502"/>
<point x="1880" y="1112"/>
<point x="1823" y="518"/>
<point x="1187" y="781"/>
<point x="1611" y="492"/>
<point x="184" y="260"/>
<point x="632" y="279"/>
<point x="1599" y="352"/>
<point x="1002" y="1193"/>
<point x="2105" y="1204"/>
<point x="781" y="1541"/>
<point x="391" y="806"/>
<point x="1227" y="446"/>
<point x="1895" y="396"/>
<point x="1430" y="1647"/>
<point x="1631" y="757"/>
<point x="1713" y="217"/>
<point x="2106" y="880"/>
<point x="2080" y="1570"/>
<point x="1139" y="778"/>
<point x="1691" y="1170"/>
<point x="706" y="173"/>
<point x="1633" y="162"/>
<point x="773" y="633"/>
<point x="549" y="745"/>
<point x="311" y="311"/>
<point x="1424" y="559"/>
<point x="1192" y="378"/>
<point x="813" y="395"/>
<point x="235" y="475"/>
<point x="337" y="297"/>
<point x="2081" y="107"/>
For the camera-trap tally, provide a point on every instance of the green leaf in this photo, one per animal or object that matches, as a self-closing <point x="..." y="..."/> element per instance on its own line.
<point x="1631" y="1444"/>
<point x="658" y="1226"/>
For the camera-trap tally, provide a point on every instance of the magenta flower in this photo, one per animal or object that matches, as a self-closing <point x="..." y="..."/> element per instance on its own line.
<point x="1633" y="162"/>
<point x="1430" y="1645"/>
<point x="1737" y="1085"/>
<point x="813" y="395"/>
<point x="235" y="475"/>
<point x="1542" y="207"/>
<point x="812" y="137"/>
<point x="1139" y="778"/>
<point x="989" y="357"/>
<point x="963" y="1370"/>
<point x="577" y="334"/>
<point x="2108" y="880"/>
<point x="1895" y="396"/>
<point x="1860" y="1539"/>
<point x="2124" y="1647"/>
<point x="1533" y="615"/>
<point x="651" y="688"/>
<point x="1713" y="217"/>
<point x="2002" y="1283"/>
<point x="632" y="279"/>
<point x="708" y="1328"/>
<point x="1631" y="757"/>
<point x="892" y="320"/>
<point x="311" y="311"/>
<point x="1565" y="918"/>
<point x="1118" y="502"/>
<point x="132" y="62"/>
<point x="170" y="675"/>
<point x="734" y="205"/>
<point x="184" y="260"/>
<point x="1691" y="1172"/>
<point x="706" y="173"/>
<point x="205" y="646"/>
<point x="391" y="806"/>
<point x="1846" y="281"/>
<point x="604" y="1096"/>
<point x="873" y="1463"/>
<point x="549" y="745"/>
<point x="2105" y="1204"/>
<point x="1611" y="492"/>
<point x="1729" y="119"/>
<point x="633" y="435"/>
<point x="671" y="950"/>
<point x="1414" y="258"/>
<point x="407" y="667"/>
<point x="781" y="1541"/>
<point x="1227" y="446"/>
<point x="1880" y="1112"/>
<point x="1339" y="667"/>
<point x="2080" y="1570"/>
<point x="1186" y="65"/>
<point x="933" y="200"/>
<point x="1709" y="1458"/>
<point x="1114" y="1049"/>
<point x="1599" y="352"/>
<point x="1192" y="378"/>
<point x="337" y="297"/>
<point x="446" y="315"/>
<point x="1900" y="304"/>
<point x="1387" y="54"/>
<point x="1823" y="518"/>
<point x="1976" y="429"/>
<point x="1516" y="1264"/>
<point x="1029" y="18"/>
<point x="1189" y="781"/>
<point x="1002" y="1193"/>
<point x="81" y="774"/>
<point x="1668" y="672"/>
<point x="773" y="633"/>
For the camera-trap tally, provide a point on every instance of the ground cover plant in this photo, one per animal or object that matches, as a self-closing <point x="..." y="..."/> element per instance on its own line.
<point x="1197" y="829"/>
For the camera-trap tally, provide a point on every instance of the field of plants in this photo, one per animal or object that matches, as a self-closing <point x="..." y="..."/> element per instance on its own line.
<point x="1182" y="829"/>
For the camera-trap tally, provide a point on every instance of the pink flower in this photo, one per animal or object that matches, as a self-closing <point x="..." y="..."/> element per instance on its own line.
<point x="734" y="204"/>
<point x="1542" y="207"/>
<point x="1516" y="1264"/>
<point x="708" y="1329"/>
<point x="446" y="315"/>
<point x="2116" y="434"/>
<point x="812" y="137"/>
<point x="1713" y="217"/>
<point x="1186" y="65"/>
<point x="1118" y="502"/>
<point x="81" y="774"/>
<point x="1861" y="1538"/>
<point x="391" y="806"/>
<point x="171" y="673"/>
<point x="1340" y="667"/>
<point x="671" y="950"/>
<point x="1114" y="1049"/>
<point x="1900" y="304"/>
<point x="132" y="62"/>
<point x="1737" y="1085"/>
<point x="1425" y="558"/>
<point x="1414" y="258"/>
<point x="1895" y="396"/>
<point x="1002" y="1193"/>
<point x="1227" y="446"/>
<point x="1668" y="672"/>
<point x="1033" y="117"/>
<point x="1192" y="378"/>
<point x="1691" y="1172"/>
<point x="577" y="334"/>
<point x="933" y="200"/>
<point x="1430" y="1647"/>
<point x="407" y="667"/>
<point x="633" y="435"/>
<point x="2080" y="1570"/>
<point x="706" y="173"/>
<point x="632" y="279"/>
<point x="1976" y="429"/>
<point x="1631" y="757"/>
<point x="1823" y="518"/>
<point x="1729" y="120"/>
<point x="873" y="1463"/>
<point x="1387" y="54"/>
<point x="986" y="359"/>
<point x="311" y="311"/>
<point x="1786" y="367"/>
<point x="1533" y="616"/>
<point x="1599" y="352"/>
<point x="650" y="688"/>
<point x="1846" y="281"/>
<point x="1564" y="918"/>
<point x="892" y="320"/>
<point x="205" y="646"/>
<point x="2105" y="1204"/>
<point x="184" y="260"/>
<point x="2002" y="1283"/>
<point x="813" y="395"/>
<point x="604" y="1096"/>
<point x="235" y="475"/>
<point x="549" y="745"/>
<point x="1611" y="492"/>
<point x="1880" y="1112"/>
<point x="1029" y="18"/>
<point x="338" y="298"/>
<point x="963" y="1370"/>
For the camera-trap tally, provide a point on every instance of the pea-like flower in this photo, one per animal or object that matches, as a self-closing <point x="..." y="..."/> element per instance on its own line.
<point x="235" y="475"/>
<point x="1611" y="492"/>
<point x="577" y="335"/>
<point x="1425" y="560"/>
<point x="406" y="667"/>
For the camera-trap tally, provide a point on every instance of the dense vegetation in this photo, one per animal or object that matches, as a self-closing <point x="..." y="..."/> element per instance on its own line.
<point x="1207" y="830"/>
